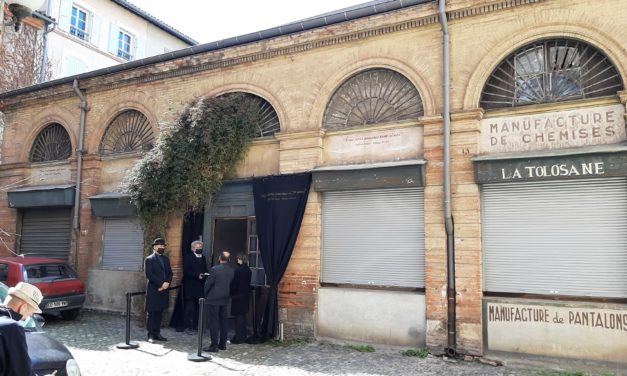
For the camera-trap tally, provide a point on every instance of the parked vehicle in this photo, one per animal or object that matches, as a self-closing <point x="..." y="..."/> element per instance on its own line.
<point x="46" y="353"/>
<point x="63" y="292"/>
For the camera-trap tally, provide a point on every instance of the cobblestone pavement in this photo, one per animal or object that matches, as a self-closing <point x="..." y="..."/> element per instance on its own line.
<point x="92" y="339"/>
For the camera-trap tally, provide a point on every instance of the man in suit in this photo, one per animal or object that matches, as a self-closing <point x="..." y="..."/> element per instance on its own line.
<point x="217" y="292"/>
<point x="194" y="269"/>
<point x="240" y="297"/>
<point x="159" y="275"/>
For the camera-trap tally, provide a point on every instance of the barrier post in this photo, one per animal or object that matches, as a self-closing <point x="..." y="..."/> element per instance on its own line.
<point x="127" y="344"/>
<point x="198" y="356"/>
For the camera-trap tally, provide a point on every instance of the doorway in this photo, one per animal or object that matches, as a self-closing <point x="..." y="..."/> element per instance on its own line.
<point x="229" y="234"/>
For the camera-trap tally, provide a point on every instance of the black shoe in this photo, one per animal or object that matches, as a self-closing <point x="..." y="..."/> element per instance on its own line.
<point x="222" y="347"/>
<point x="235" y="341"/>
<point x="210" y="349"/>
<point x="151" y="340"/>
<point x="159" y="337"/>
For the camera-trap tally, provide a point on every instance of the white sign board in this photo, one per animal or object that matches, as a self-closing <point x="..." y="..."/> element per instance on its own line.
<point x="554" y="130"/>
<point x="374" y="146"/>
<point x="42" y="175"/>
<point x="575" y="330"/>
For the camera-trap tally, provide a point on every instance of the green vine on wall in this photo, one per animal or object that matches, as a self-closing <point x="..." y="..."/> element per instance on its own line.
<point x="190" y="159"/>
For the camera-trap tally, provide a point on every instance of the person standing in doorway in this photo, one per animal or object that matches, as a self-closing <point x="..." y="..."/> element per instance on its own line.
<point x="194" y="269"/>
<point x="217" y="292"/>
<point x="159" y="276"/>
<point x="21" y="302"/>
<point x="240" y="298"/>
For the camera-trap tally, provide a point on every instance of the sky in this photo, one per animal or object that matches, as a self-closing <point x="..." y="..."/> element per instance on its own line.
<point x="212" y="20"/>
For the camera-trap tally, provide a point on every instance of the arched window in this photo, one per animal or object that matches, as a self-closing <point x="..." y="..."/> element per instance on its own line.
<point x="373" y="97"/>
<point x="129" y="132"/>
<point x="52" y="144"/>
<point x="551" y="71"/>
<point x="267" y="118"/>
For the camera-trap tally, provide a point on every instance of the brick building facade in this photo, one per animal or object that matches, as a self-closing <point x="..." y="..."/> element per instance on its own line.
<point x="334" y="285"/>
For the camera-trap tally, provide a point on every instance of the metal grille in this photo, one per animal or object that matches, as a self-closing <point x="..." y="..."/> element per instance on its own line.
<point x="374" y="237"/>
<point x="128" y="132"/>
<point x="551" y="71"/>
<point x="122" y="244"/>
<point x="46" y="233"/>
<point x="267" y="121"/>
<point x="52" y="144"/>
<point x="556" y="237"/>
<point x="373" y="97"/>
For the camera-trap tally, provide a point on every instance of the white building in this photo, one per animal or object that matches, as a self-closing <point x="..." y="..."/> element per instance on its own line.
<point x="95" y="34"/>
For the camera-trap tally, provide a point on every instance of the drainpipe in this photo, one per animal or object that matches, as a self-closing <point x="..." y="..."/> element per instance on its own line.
<point x="79" y="168"/>
<point x="44" y="53"/>
<point x="448" y="218"/>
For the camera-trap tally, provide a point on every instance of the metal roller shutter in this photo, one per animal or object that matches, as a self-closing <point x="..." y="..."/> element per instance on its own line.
<point x="123" y="244"/>
<point x="374" y="237"/>
<point x="556" y="237"/>
<point x="46" y="233"/>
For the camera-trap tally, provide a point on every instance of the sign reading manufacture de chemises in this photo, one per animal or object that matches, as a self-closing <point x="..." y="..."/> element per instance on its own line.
<point x="554" y="130"/>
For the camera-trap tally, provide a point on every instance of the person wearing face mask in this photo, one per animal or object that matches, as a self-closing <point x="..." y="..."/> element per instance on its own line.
<point x="21" y="302"/>
<point x="240" y="297"/>
<point x="159" y="276"/>
<point x="194" y="269"/>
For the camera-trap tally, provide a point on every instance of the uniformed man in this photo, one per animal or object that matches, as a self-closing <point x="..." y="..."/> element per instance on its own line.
<point x="159" y="276"/>
<point x="21" y="302"/>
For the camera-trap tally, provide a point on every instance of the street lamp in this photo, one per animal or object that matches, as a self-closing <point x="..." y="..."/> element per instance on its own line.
<point x="20" y="9"/>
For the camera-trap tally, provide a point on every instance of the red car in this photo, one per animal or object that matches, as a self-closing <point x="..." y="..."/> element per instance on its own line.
<point x="63" y="292"/>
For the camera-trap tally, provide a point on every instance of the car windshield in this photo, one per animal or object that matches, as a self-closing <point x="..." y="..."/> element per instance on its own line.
<point x="30" y="324"/>
<point x="47" y="272"/>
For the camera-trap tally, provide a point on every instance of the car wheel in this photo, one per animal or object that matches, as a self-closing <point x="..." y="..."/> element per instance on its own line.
<point x="70" y="314"/>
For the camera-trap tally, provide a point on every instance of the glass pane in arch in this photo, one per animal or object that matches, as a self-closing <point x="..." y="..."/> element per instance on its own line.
<point x="52" y="144"/>
<point x="129" y="132"/>
<point x="549" y="71"/>
<point x="373" y="97"/>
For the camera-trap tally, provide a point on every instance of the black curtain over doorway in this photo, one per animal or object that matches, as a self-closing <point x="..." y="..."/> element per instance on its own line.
<point x="192" y="230"/>
<point x="279" y="207"/>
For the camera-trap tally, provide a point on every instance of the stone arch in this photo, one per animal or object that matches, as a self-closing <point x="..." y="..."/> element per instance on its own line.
<point x="332" y="84"/>
<point x="45" y="118"/>
<point x="499" y="52"/>
<point x="93" y="138"/>
<point x="52" y="143"/>
<point x="258" y="92"/>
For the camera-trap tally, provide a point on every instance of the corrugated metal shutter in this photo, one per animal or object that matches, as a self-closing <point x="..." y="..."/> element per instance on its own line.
<point x="123" y="244"/>
<point x="46" y="233"/>
<point x="556" y="237"/>
<point x="374" y="237"/>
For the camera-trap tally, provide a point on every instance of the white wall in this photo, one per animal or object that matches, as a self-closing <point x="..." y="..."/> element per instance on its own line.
<point x="104" y="20"/>
<point x="375" y="316"/>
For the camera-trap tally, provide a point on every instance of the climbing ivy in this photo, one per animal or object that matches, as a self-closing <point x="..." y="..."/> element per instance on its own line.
<point x="190" y="159"/>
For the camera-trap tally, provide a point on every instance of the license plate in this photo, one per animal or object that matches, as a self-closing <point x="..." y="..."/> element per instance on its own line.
<point x="57" y="304"/>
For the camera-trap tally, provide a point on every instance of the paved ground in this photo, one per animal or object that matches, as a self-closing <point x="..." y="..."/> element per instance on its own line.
<point x="92" y="339"/>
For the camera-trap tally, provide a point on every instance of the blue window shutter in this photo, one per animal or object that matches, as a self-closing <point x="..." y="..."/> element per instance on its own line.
<point x="65" y="10"/>
<point x="114" y="30"/>
<point x="74" y="66"/>
<point x="140" y="48"/>
<point x="95" y="30"/>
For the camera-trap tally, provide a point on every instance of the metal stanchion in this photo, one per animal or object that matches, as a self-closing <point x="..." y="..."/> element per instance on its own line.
<point x="128" y="345"/>
<point x="198" y="356"/>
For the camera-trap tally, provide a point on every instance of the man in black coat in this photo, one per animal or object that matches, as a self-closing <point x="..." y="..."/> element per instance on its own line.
<point x="159" y="275"/>
<point x="194" y="269"/>
<point x="240" y="297"/>
<point x="217" y="292"/>
<point x="21" y="302"/>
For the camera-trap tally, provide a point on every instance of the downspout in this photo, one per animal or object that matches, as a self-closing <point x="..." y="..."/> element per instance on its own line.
<point x="448" y="218"/>
<point x="79" y="169"/>
<point x="44" y="54"/>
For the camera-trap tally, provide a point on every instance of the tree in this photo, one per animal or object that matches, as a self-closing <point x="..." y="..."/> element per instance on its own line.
<point x="20" y="57"/>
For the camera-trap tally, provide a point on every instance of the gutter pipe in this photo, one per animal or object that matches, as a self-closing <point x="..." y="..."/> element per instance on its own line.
<point x="79" y="168"/>
<point x="448" y="217"/>
<point x="44" y="54"/>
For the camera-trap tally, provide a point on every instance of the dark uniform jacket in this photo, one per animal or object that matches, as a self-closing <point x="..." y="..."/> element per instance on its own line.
<point x="14" y="359"/>
<point x="218" y="285"/>
<point x="240" y="289"/>
<point x="157" y="269"/>
<point x="192" y="267"/>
